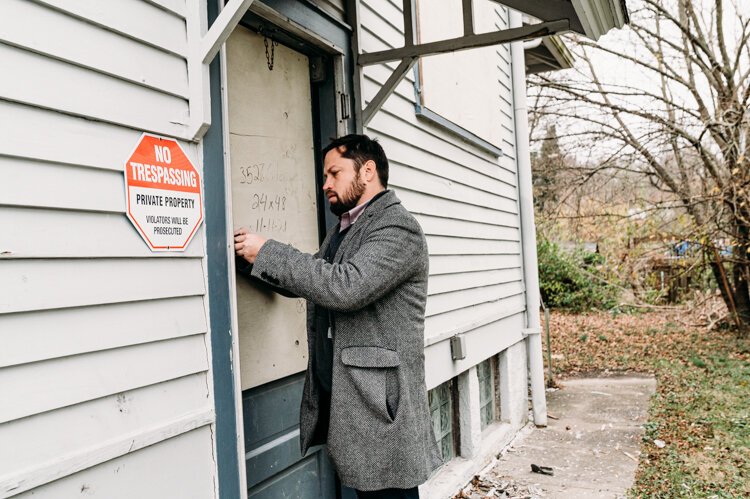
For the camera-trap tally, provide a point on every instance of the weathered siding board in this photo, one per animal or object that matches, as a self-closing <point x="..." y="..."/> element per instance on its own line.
<point x="457" y="190"/>
<point x="447" y="264"/>
<point x="49" y="185"/>
<point x="82" y="92"/>
<point x="77" y="234"/>
<point x="446" y="283"/>
<point x="46" y="284"/>
<point x="465" y="200"/>
<point x="64" y="332"/>
<point x="30" y="442"/>
<point x="176" y="7"/>
<point x="71" y="380"/>
<point x="47" y="32"/>
<point x="420" y="203"/>
<point x="58" y="138"/>
<point x="445" y="302"/>
<point x="463" y="320"/>
<point x="104" y="368"/>
<point x="171" y="468"/>
<point x="126" y="17"/>
<point x="448" y="226"/>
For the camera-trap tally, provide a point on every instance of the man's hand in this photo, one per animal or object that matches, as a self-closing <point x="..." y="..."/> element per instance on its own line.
<point x="247" y="245"/>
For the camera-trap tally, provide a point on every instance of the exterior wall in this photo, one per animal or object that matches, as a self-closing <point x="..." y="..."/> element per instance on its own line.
<point x="104" y="365"/>
<point x="465" y="198"/>
<point x="334" y="8"/>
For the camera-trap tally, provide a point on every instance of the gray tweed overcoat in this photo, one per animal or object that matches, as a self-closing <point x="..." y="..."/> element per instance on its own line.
<point x="376" y="288"/>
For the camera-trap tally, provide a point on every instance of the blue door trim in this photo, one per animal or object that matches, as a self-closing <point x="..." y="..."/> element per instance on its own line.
<point x="227" y="460"/>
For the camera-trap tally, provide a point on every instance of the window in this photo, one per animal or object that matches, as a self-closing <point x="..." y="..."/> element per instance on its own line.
<point x="441" y="411"/>
<point x="466" y="92"/>
<point x="486" y="373"/>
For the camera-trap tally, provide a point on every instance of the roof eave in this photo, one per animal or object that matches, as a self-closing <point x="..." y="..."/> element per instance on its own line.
<point x="599" y="16"/>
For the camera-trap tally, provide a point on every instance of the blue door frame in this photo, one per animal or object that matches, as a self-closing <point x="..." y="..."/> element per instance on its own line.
<point x="281" y="396"/>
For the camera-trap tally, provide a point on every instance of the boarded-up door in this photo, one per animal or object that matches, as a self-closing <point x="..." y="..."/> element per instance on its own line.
<point x="273" y="193"/>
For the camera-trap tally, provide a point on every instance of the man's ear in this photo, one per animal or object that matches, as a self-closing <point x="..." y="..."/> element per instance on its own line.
<point x="370" y="170"/>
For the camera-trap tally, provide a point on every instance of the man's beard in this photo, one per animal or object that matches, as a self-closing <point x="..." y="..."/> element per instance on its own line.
<point x="349" y="198"/>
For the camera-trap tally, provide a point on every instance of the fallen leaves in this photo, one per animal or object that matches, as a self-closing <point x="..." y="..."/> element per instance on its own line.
<point x="698" y="429"/>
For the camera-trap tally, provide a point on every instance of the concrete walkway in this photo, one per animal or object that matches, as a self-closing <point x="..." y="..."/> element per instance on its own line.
<point x="592" y="446"/>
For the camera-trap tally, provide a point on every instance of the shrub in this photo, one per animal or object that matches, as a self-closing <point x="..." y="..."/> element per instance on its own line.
<point x="573" y="281"/>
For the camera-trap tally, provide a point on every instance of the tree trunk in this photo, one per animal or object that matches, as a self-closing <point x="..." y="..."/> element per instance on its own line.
<point x="737" y="296"/>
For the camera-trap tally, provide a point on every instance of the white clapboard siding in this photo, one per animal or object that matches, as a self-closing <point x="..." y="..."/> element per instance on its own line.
<point x="442" y="326"/>
<point x="77" y="234"/>
<point x="381" y="28"/>
<point x="64" y="332"/>
<point x="48" y="32"/>
<point x="33" y="441"/>
<point x="176" y="7"/>
<point x="447" y="283"/>
<point x="45" y="284"/>
<point x="465" y="199"/>
<point x="88" y="93"/>
<point x="442" y="187"/>
<point x="143" y="21"/>
<point x="445" y="302"/>
<point x="79" y="378"/>
<point x="105" y="359"/>
<point x="443" y="245"/>
<point x="444" y="226"/>
<point x="175" y="468"/>
<point x="448" y="264"/>
<point x="39" y="134"/>
<point x="410" y="154"/>
<point x="49" y="185"/>
<point x="420" y="203"/>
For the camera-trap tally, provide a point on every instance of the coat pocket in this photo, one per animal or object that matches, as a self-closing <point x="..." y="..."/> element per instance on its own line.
<point x="374" y="373"/>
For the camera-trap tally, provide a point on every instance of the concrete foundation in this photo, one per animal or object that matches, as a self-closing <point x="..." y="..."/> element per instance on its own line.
<point x="513" y="373"/>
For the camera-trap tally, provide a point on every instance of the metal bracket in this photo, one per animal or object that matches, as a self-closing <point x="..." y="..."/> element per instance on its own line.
<point x="530" y="331"/>
<point x="410" y="53"/>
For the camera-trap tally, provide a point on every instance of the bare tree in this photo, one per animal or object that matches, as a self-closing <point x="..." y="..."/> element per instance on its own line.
<point x="668" y="100"/>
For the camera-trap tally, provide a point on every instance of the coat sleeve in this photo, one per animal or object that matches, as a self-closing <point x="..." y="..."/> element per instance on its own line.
<point x="388" y="256"/>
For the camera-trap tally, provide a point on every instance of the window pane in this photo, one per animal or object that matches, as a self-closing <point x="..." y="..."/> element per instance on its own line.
<point x="442" y="421"/>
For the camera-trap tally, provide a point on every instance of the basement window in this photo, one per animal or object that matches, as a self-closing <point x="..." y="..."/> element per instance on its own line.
<point x="487" y="406"/>
<point x="441" y="411"/>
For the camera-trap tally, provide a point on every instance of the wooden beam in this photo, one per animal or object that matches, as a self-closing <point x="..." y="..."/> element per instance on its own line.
<point x="387" y="89"/>
<point x="465" y="42"/>
<point x="468" y="17"/>
<point x="408" y="7"/>
<point x="222" y="27"/>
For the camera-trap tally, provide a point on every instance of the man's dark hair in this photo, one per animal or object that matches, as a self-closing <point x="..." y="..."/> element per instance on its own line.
<point x="360" y="149"/>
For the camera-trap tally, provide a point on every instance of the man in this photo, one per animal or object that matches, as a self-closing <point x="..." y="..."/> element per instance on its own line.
<point x="366" y="288"/>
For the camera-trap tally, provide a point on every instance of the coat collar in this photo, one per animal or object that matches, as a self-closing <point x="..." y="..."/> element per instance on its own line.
<point x="376" y="206"/>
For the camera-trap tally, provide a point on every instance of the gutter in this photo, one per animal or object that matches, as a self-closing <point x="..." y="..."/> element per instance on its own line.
<point x="528" y="229"/>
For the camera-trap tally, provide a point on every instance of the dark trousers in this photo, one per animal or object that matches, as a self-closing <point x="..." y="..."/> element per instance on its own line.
<point x="412" y="493"/>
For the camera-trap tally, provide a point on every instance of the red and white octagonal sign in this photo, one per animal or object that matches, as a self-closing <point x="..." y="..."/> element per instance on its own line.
<point x="163" y="193"/>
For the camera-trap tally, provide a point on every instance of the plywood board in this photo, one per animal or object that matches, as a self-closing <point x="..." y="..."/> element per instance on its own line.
<point x="273" y="193"/>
